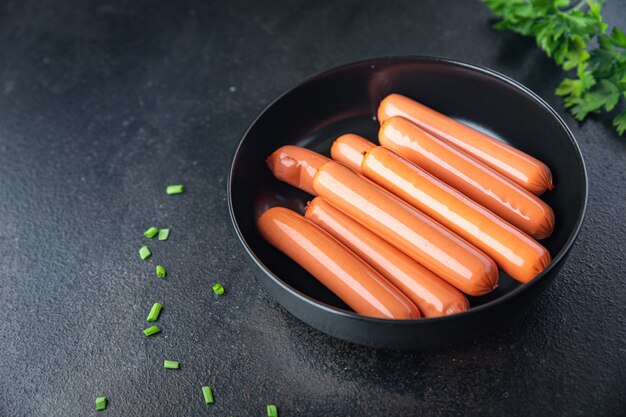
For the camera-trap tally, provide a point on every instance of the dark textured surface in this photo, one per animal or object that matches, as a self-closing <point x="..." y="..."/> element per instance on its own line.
<point x="102" y="104"/>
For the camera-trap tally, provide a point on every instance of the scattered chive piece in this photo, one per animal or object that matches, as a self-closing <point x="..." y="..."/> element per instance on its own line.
<point x="160" y="271"/>
<point x="175" y="189"/>
<point x="218" y="289"/>
<point x="208" y="395"/>
<point x="144" y="253"/>
<point x="272" y="411"/>
<point x="154" y="312"/>
<point x="171" y="364"/>
<point x="164" y="234"/>
<point x="151" y="232"/>
<point x="101" y="403"/>
<point x="151" y="330"/>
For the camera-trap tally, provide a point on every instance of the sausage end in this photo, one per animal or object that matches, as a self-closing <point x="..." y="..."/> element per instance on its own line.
<point x="296" y="166"/>
<point x="542" y="181"/>
<point x="349" y="150"/>
<point x="386" y="108"/>
<point x="458" y="307"/>
<point x="546" y="226"/>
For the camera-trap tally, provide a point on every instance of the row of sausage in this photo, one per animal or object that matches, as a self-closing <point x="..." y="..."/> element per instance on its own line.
<point x="405" y="229"/>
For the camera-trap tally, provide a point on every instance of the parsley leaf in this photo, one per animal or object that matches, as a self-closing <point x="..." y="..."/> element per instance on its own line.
<point x="565" y="32"/>
<point x="620" y="122"/>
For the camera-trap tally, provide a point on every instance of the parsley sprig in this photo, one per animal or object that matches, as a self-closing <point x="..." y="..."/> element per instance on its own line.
<point x="565" y="32"/>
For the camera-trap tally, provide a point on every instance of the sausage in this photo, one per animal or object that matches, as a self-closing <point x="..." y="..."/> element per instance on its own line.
<point x="521" y="168"/>
<point x="516" y="253"/>
<point x="349" y="149"/>
<point x="432" y="295"/>
<point x="335" y="266"/>
<point x="477" y="181"/>
<point x="417" y="235"/>
<point x="296" y="166"/>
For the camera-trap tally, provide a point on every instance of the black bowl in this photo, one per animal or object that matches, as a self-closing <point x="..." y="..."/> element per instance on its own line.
<point x="345" y="100"/>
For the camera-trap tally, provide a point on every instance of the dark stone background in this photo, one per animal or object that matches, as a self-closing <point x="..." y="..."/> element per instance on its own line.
<point x="103" y="103"/>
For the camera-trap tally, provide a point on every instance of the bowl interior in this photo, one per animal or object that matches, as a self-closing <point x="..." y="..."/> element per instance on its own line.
<point x="345" y="100"/>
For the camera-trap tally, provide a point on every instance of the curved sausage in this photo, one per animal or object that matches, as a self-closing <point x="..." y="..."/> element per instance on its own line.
<point x="340" y="270"/>
<point x="432" y="295"/>
<point x="521" y="168"/>
<point x="417" y="235"/>
<point x="519" y="255"/>
<point x="477" y="181"/>
<point x="296" y="166"/>
<point x="349" y="149"/>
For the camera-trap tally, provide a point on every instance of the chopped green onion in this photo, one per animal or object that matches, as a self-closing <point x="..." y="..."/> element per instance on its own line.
<point x="218" y="289"/>
<point x="151" y="232"/>
<point x="144" y="253"/>
<point x="164" y="234"/>
<point x="154" y="312"/>
<point x="175" y="189"/>
<point x="151" y="330"/>
<point x="160" y="271"/>
<point x="171" y="364"/>
<point x="101" y="403"/>
<point x="208" y="395"/>
<point x="272" y="411"/>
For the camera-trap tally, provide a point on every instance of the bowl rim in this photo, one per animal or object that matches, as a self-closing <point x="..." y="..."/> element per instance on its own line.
<point x="422" y="320"/>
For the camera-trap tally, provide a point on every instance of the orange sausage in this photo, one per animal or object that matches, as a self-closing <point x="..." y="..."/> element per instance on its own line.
<point x="340" y="270"/>
<point x="477" y="181"/>
<point x="296" y="166"/>
<point x="433" y="296"/>
<point x="349" y="149"/>
<point x="528" y="172"/>
<point x="519" y="255"/>
<point x="409" y="230"/>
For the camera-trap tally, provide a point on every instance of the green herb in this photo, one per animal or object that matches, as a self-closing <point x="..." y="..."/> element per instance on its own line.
<point x="175" y="189"/>
<point x="164" y="234"/>
<point x="154" y="312"/>
<point x="151" y="330"/>
<point x="272" y="411"/>
<point x="160" y="271"/>
<point x="144" y="253"/>
<point x="151" y="232"/>
<point x="171" y="364"/>
<point x="101" y="403"/>
<point x="208" y="395"/>
<point x="218" y="289"/>
<point x="567" y="34"/>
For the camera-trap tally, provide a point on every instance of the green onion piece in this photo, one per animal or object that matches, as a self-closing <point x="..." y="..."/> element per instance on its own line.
<point x="272" y="411"/>
<point x="171" y="364"/>
<point x="208" y="395"/>
<point x="154" y="312"/>
<point x="164" y="234"/>
<point x="218" y="289"/>
<point x="101" y="403"/>
<point x="151" y="232"/>
<point x="144" y="253"/>
<point x="175" y="189"/>
<point x="160" y="271"/>
<point x="151" y="330"/>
